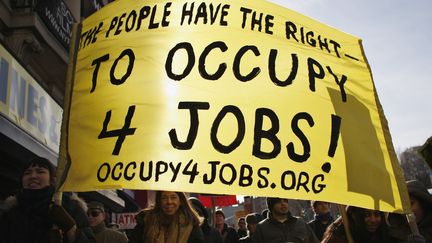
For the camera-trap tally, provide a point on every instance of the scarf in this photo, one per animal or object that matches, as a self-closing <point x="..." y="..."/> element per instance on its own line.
<point x="166" y="230"/>
<point x="34" y="204"/>
<point x="324" y="217"/>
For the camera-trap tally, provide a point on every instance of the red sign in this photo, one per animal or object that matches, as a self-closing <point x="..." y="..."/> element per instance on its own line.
<point x="220" y="201"/>
<point x="126" y="220"/>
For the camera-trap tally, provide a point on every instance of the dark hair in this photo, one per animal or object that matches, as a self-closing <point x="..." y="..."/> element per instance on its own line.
<point x="43" y="163"/>
<point x="357" y="217"/>
<point x="252" y="218"/>
<point x="187" y="209"/>
<point x="200" y="209"/>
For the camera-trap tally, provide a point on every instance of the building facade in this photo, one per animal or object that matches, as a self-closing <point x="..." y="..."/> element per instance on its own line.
<point x="34" y="51"/>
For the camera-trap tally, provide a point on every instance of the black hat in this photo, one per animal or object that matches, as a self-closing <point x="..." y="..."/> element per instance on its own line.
<point x="271" y="201"/>
<point x="96" y="205"/>
<point x="419" y="191"/>
<point x="252" y="218"/>
<point x="197" y="205"/>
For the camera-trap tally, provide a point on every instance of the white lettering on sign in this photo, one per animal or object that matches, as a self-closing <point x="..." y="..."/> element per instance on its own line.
<point x="126" y="220"/>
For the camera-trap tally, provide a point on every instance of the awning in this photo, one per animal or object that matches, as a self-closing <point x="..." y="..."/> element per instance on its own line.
<point x="220" y="200"/>
<point x="130" y="204"/>
<point x="109" y="198"/>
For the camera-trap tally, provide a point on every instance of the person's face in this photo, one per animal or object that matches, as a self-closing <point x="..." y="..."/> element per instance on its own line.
<point x="417" y="209"/>
<point x="220" y="219"/>
<point x="95" y="217"/>
<point x="281" y="207"/>
<point x="321" y="208"/>
<point x="251" y="228"/>
<point x="242" y="224"/>
<point x="170" y="203"/>
<point x="372" y="220"/>
<point x="36" y="177"/>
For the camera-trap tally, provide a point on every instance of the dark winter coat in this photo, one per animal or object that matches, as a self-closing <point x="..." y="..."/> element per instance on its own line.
<point x="292" y="230"/>
<point x="229" y="234"/>
<point x="425" y="227"/>
<point x="211" y="234"/>
<point x="318" y="227"/>
<point x="26" y="219"/>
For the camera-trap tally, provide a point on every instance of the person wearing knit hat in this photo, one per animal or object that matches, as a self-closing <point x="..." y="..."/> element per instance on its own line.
<point x="421" y="205"/>
<point x="229" y="234"/>
<point x="281" y="226"/>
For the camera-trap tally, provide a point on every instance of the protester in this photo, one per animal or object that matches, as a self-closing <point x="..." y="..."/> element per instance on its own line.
<point x="229" y="234"/>
<point x="32" y="217"/>
<point x="242" y="230"/>
<point x="96" y="217"/>
<point x="171" y="220"/>
<point x="421" y="205"/>
<point x="281" y="226"/>
<point x="365" y="225"/>
<point x="211" y="235"/>
<point x="252" y="220"/>
<point x="322" y="218"/>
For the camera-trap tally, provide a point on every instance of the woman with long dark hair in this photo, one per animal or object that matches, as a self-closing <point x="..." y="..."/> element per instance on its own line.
<point x="171" y="220"/>
<point x="365" y="226"/>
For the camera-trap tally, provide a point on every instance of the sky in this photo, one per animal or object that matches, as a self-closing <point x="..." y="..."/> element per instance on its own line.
<point x="397" y="40"/>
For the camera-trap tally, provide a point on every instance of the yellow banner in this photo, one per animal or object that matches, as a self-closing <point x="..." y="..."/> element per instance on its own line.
<point x="228" y="97"/>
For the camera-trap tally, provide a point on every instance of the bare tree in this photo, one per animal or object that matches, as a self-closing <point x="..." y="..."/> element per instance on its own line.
<point x="415" y="167"/>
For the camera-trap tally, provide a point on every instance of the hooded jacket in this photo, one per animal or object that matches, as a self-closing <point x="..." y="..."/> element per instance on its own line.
<point x="419" y="191"/>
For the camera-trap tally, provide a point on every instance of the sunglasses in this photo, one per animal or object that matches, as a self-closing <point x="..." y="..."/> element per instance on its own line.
<point x="93" y="213"/>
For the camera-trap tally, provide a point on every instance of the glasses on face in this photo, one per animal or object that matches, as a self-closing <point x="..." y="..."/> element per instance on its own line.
<point x="93" y="213"/>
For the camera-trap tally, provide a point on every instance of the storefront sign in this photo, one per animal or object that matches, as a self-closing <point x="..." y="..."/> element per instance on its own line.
<point x="25" y="103"/>
<point x="58" y="18"/>
<point x="126" y="220"/>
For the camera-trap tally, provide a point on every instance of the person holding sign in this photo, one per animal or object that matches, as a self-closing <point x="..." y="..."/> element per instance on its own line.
<point x="32" y="217"/>
<point x="366" y="225"/>
<point x="171" y="220"/>
<point x="281" y="226"/>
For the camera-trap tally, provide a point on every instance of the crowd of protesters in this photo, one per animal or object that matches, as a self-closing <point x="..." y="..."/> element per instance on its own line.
<point x="31" y="216"/>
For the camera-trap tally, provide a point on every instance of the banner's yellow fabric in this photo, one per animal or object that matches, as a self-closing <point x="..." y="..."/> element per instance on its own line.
<point x="238" y="97"/>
